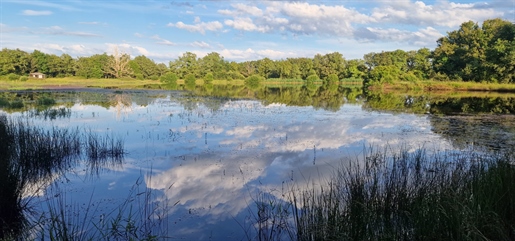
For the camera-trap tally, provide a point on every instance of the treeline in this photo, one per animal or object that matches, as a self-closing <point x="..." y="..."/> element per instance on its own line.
<point x="477" y="53"/>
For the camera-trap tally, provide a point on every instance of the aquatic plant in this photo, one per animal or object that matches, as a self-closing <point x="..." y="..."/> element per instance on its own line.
<point x="31" y="155"/>
<point x="408" y="196"/>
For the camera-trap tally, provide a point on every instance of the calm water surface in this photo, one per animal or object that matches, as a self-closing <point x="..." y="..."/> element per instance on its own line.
<point x="205" y="160"/>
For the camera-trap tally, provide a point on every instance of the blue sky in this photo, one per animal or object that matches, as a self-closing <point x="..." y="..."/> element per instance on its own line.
<point x="238" y="30"/>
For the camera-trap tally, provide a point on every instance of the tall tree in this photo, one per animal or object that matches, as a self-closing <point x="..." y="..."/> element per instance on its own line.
<point x="185" y="64"/>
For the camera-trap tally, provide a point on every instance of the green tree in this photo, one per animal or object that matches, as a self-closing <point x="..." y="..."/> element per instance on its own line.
<point x="39" y="62"/>
<point x="145" y="66"/>
<point x="14" y="61"/>
<point x="92" y="67"/>
<point x="213" y="63"/>
<point x="186" y="64"/>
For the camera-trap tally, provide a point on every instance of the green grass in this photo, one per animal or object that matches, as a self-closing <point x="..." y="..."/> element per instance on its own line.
<point x="405" y="196"/>
<point x="430" y="85"/>
<point x="77" y="82"/>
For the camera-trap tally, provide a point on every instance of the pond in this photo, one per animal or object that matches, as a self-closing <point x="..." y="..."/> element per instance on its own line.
<point x="196" y="161"/>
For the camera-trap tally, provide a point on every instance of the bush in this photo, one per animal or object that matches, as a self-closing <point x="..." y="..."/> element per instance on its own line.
<point x="409" y="77"/>
<point x="189" y="80"/>
<point x="23" y="78"/>
<point x="208" y="79"/>
<point x="332" y="79"/>
<point x="254" y="81"/>
<point x="312" y="78"/>
<point x="13" y="77"/>
<point x="154" y="77"/>
<point x="169" y="78"/>
<point x="139" y="76"/>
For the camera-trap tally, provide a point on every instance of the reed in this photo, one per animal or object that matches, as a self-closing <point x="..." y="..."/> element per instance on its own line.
<point x="401" y="195"/>
<point x="31" y="155"/>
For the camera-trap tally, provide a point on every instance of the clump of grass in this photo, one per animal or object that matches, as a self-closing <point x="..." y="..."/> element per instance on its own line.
<point x="29" y="155"/>
<point x="410" y="196"/>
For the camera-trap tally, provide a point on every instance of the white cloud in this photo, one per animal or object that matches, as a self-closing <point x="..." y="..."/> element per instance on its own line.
<point x="199" y="26"/>
<point x="245" y="24"/>
<point x="242" y="9"/>
<point x="442" y="13"/>
<point x="296" y="17"/>
<point x="36" y="13"/>
<point x="163" y="41"/>
<point x="201" y="44"/>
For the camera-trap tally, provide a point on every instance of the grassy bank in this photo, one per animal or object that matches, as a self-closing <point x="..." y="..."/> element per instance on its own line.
<point x="77" y="82"/>
<point x="443" y="86"/>
<point x="404" y="196"/>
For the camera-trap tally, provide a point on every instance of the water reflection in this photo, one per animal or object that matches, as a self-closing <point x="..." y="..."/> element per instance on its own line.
<point x="207" y="151"/>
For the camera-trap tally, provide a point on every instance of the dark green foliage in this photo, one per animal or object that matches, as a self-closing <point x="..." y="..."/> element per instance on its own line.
<point x="24" y="78"/>
<point x="475" y="53"/>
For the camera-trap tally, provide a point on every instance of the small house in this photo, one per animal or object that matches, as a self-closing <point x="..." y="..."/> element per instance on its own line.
<point x="37" y="75"/>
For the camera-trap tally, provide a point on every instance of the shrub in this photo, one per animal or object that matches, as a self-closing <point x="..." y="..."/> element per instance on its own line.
<point x="332" y="79"/>
<point x="23" y="78"/>
<point x="139" y="76"/>
<point x="312" y="78"/>
<point x="253" y="81"/>
<point x="169" y="78"/>
<point x="189" y="80"/>
<point x="154" y="77"/>
<point x="208" y="79"/>
<point x="13" y="77"/>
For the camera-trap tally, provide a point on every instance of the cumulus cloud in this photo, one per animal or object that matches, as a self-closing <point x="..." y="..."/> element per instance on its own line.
<point x="198" y="26"/>
<point x="36" y="13"/>
<point x="442" y="13"/>
<point x="295" y="17"/>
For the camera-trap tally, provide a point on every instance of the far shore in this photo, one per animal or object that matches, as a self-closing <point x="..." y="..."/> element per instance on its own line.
<point x="81" y="83"/>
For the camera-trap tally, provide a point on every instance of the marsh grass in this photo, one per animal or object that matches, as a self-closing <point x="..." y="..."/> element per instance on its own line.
<point x="138" y="217"/>
<point x="31" y="155"/>
<point x="407" y="196"/>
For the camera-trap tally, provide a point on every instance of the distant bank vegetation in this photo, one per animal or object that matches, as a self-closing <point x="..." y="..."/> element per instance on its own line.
<point x="474" y="53"/>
